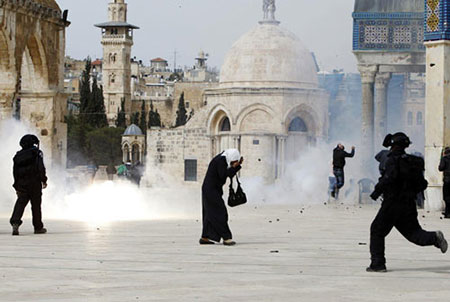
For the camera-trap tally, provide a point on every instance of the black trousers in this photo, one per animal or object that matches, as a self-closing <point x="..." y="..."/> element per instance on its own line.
<point x="35" y="197"/>
<point x="403" y="216"/>
<point x="446" y="193"/>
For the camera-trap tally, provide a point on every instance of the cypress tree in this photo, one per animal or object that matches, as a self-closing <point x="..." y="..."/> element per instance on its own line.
<point x="143" y="119"/>
<point x="181" y="112"/>
<point x="135" y="118"/>
<point x="121" y="121"/>
<point x="85" y="89"/>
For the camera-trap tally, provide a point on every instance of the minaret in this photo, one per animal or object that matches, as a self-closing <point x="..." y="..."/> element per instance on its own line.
<point x="117" y="40"/>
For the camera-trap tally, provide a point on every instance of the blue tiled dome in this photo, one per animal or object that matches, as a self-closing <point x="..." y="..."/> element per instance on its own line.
<point x="133" y="130"/>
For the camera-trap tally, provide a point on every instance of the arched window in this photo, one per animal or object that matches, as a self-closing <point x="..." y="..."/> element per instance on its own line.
<point x="298" y="125"/>
<point x="225" y="125"/>
<point x="410" y="118"/>
<point x="419" y="118"/>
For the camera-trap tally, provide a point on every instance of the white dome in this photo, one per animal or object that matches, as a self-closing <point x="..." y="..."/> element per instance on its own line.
<point x="269" y="56"/>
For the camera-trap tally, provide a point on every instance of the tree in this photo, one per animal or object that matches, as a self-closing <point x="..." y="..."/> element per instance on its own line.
<point x="95" y="112"/>
<point x="143" y="119"/>
<point x="85" y="88"/>
<point x="121" y="121"/>
<point x="135" y="118"/>
<point x="154" y="119"/>
<point x="181" y="112"/>
<point x="104" y="145"/>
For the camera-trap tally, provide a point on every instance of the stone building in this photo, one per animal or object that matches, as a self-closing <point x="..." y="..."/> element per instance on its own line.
<point x="117" y="41"/>
<point x="133" y="145"/>
<point x="387" y="39"/>
<point x="32" y="46"/>
<point x="268" y="104"/>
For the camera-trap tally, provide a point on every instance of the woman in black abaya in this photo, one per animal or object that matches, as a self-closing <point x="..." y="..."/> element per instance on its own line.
<point x="215" y="215"/>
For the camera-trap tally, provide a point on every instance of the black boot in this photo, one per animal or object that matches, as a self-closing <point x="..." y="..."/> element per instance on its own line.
<point x="376" y="269"/>
<point x="40" y="231"/>
<point x="441" y="243"/>
<point x="15" y="230"/>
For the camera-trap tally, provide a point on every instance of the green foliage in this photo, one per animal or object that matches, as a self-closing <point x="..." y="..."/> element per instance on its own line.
<point x="181" y="112"/>
<point x="143" y="118"/>
<point x="154" y="119"/>
<point x="85" y="88"/>
<point x="121" y="121"/>
<point x="76" y="141"/>
<point x="104" y="145"/>
<point x="135" y="118"/>
<point x="176" y="77"/>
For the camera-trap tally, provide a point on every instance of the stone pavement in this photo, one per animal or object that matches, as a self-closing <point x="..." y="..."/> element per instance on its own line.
<point x="282" y="255"/>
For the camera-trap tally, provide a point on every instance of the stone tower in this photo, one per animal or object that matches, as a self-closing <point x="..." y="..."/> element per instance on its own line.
<point x="117" y="40"/>
<point x="437" y="105"/>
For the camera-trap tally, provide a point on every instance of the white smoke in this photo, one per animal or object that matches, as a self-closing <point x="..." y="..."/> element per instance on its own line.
<point x="75" y="198"/>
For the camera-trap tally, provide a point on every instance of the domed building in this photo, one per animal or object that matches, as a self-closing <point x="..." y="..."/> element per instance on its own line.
<point x="268" y="105"/>
<point x="133" y="145"/>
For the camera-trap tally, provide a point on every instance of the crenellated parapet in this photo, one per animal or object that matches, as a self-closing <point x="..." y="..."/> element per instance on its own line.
<point x="35" y="9"/>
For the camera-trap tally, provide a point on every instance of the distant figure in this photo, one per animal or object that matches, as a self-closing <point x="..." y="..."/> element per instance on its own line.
<point x="29" y="180"/>
<point x="215" y="215"/>
<point x="122" y="170"/>
<point x="399" y="185"/>
<point x="136" y="173"/>
<point x="444" y="166"/>
<point x="111" y="171"/>
<point x="339" y="156"/>
<point x="92" y="171"/>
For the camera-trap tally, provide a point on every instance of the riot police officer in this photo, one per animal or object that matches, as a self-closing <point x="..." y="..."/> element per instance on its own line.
<point x="401" y="182"/>
<point x="29" y="180"/>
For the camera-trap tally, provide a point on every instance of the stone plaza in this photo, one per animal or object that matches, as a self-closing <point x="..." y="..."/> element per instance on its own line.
<point x="284" y="253"/>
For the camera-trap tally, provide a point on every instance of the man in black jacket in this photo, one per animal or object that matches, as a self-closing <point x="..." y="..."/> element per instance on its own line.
<point x="444" y="166"/>
<point x="339" y="156"/>
<point x="401" y="182"/>
<point x="29" y="180"/>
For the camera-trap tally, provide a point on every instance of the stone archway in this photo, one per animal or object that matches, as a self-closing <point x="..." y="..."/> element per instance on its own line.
<point x="32" y="48"/>
<point x="301" y="133"/>
<point x="220" y="128"/>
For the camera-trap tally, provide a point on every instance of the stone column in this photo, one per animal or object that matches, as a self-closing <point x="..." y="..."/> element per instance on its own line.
<point x="437" y="117"/>
<point x="368" y="74"/>
<point x="381" y="98"/>
<point x="6" y="104"/>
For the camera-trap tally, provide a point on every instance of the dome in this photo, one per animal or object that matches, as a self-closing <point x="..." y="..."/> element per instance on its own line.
<point x="133" y="130"/>
<point x="269" y="56"/>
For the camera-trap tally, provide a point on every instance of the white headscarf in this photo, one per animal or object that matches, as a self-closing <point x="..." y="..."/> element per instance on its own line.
<point x="231" y="155"/>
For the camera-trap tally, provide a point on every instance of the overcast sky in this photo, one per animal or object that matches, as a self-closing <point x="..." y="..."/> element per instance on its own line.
<point x="324" y="26"/>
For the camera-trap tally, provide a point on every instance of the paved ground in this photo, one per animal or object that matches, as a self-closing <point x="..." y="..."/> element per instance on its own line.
<point x="283" y="255"/>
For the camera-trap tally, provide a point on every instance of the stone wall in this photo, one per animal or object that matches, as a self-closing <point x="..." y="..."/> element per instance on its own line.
<point x="167" y="151"/>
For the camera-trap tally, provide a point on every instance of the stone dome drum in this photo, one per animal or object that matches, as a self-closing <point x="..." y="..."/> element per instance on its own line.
<point x="269" y="56"/>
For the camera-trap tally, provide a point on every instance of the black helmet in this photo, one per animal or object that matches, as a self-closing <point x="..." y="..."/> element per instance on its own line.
<point x="29" y="141"/>
<point x="398" y="139"/>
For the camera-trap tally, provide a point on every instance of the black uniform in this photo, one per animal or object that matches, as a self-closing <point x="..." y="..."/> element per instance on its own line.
<point x="382" y="158"/>
<point x="444" y="166"/>
<point x="215" y="215"/>
<point x="29" y="175"/>
<point x="398" y="208"/>
<point x="339" y="156"/>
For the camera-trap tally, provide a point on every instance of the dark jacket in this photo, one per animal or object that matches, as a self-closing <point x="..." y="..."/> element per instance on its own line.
<point x="444" y="166"/>
<point x="403" y="177"/>
<point x="29" y="170"/>
<point x="339" y="156"/>
<point x="382" y="158"/>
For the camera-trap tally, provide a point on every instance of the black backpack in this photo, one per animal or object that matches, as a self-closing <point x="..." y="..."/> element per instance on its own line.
<point x="412" y="170"/>
<point x="238" y="197"/>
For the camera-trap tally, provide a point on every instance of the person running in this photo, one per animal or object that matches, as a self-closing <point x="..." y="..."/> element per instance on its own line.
<point x="444" y="166"/>
<point x="215" y="215"/>
<point x="402" y="180"/>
